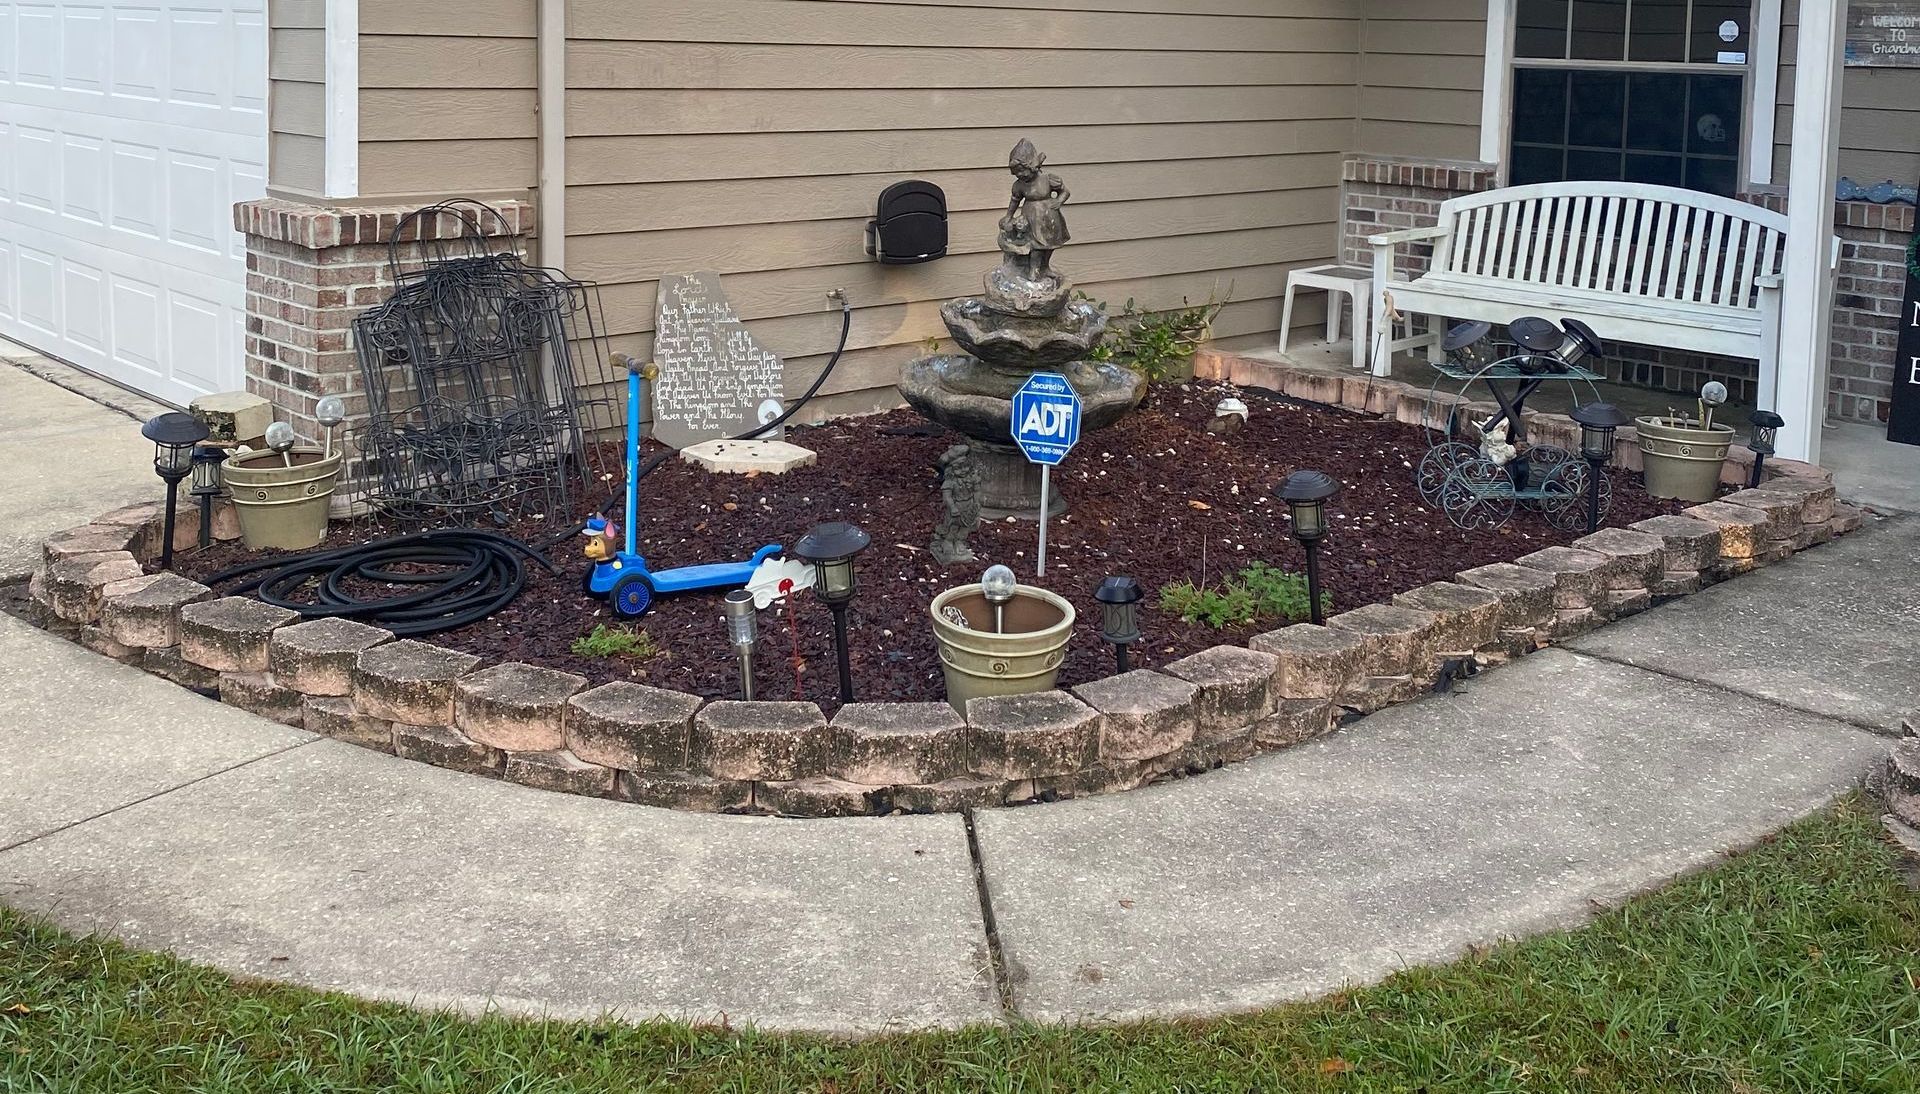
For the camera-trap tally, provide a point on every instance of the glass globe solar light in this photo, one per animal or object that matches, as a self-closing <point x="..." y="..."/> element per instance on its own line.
<point x="174" y="436"/>
<point x="997" y="585"/>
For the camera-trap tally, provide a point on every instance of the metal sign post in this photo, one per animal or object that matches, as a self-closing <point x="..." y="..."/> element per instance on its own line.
<point x="1046" y="426"/>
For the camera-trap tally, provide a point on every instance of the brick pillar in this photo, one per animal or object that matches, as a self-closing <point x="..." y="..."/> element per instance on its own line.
<point x="310" y="270"/>
<point x="1379" y="195"/>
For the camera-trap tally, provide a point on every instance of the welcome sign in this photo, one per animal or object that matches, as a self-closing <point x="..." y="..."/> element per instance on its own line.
<point x="1903" y="420"/>
<point x="1883" y="33"/>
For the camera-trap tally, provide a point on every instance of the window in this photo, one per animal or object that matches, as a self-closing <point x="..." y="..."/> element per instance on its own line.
<point x="1646" y="91"/>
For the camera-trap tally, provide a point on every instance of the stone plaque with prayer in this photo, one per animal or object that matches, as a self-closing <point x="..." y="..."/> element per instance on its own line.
<point x="715" y="380"/>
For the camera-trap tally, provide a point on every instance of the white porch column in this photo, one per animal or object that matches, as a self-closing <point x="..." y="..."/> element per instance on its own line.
<point x="1813" y="170"/>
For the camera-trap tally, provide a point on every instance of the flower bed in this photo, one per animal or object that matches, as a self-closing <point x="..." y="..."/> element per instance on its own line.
<point x="1202" y="704"/>
<point x="1155" y="497"/>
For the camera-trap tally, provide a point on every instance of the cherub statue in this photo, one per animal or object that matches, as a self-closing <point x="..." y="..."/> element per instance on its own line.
<point x="960" y="490"/>
<point x="1034" y="226"/>
<point x="1495" y="446"/>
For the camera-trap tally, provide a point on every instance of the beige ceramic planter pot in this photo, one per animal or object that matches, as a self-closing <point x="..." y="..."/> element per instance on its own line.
<point x="281" y="502"/>
<point x="1680" y="459"/>
<point x="979" y="662"/>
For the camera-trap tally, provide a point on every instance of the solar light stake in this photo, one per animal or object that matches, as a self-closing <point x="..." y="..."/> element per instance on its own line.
<point x="742" y="631"/>
<point x="1766" y="424"/>
<point x="1119" y="599"/>
<point x="830" y="548"/>
<point x="1306" y="494"/>
<point x="1598" y="421"/>
<point x="997" y="585"/>
<point x="206" y="486"/>
<point x="173" y="435"/>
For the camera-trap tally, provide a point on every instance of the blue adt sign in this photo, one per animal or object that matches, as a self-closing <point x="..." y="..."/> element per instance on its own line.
<point x="1046" y="418"/>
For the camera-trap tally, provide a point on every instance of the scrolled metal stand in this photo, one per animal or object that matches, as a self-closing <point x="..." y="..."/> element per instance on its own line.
<point x="1478" y="494"/>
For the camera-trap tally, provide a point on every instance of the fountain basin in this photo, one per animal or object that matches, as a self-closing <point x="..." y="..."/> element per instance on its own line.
<point x="1029" y="343"/>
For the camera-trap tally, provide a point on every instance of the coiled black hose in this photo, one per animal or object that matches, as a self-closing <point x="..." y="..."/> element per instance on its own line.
<point x="473" y="574"/>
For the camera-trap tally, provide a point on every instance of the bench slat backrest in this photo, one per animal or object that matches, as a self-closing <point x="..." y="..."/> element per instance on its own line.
<point x="1615" y="239"/>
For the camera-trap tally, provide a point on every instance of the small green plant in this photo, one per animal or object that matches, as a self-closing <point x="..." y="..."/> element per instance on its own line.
<point x="1258" y="592"/>
<point x="1158" y="345"/>
<point x="605" y="641"/>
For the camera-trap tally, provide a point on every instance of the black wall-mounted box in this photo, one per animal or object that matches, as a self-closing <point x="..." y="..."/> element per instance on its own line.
<point x="910" y="224"/>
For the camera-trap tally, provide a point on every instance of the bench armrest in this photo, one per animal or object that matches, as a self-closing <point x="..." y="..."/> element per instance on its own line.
<point x="1767" y="281"/>
<point x="1406" y="235"/>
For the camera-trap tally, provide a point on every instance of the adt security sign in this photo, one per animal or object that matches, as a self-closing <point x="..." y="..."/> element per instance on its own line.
<point x="1046" y="418"/>
<point x="1046" y="426"/>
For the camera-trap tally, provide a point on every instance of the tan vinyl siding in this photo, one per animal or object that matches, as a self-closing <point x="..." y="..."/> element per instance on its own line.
<point x="1421" y="69"/>
<point x="297" y="95"/>
<point x="1879" y="117"/>
<point x="1202" y="141"/>
<point x="446" y="98"/>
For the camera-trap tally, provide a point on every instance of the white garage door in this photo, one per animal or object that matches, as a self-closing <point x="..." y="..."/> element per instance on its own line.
<point x="127" y="132"/>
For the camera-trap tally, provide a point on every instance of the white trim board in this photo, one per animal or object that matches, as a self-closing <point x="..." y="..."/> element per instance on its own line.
<point x="342" y="178"/>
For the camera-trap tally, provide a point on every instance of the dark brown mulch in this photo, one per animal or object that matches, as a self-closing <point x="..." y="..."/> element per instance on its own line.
<point x="1155" y="497"/>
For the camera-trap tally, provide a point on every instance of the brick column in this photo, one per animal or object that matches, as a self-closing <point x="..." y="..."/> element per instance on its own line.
<point x="1379" y="195"/>
<point x="310" y="270"/>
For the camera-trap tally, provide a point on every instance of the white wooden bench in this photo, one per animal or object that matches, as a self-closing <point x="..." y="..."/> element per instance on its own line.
<point x="1648" y="265"/>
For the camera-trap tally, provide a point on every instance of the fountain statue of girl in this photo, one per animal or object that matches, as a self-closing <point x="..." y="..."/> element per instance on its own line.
<point x="1034" y="226"/>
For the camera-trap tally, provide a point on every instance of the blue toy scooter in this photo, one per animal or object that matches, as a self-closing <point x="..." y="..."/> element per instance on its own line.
<point x="624" y="578"/>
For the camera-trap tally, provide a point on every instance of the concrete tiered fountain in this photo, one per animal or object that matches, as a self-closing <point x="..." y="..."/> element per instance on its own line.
<point x="1026" y="322"/>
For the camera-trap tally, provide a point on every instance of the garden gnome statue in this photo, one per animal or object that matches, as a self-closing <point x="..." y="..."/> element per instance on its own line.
<point x="960" y="489"/>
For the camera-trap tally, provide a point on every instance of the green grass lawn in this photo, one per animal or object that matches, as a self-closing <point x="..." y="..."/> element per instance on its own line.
<point x="1791" y="968"/>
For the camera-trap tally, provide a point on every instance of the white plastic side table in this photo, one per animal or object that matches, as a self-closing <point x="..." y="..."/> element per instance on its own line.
<point x="1355" y="282"/>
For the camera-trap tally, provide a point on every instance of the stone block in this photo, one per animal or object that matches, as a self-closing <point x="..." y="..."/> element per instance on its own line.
<point x="1294" y="721"/>
<point x="1466" y="619"/>
<point x="1376" y="693"/>
<point x="1526" y="594"/>
<point x="146" y="521"/>
<point x="75" y="587"/>
<point x="697" y="793"/>
<point x="88" y="539"/>
<point x="1677" y="583"/>
<point x="1370" y="395"/>
<point x="317" y="657"/>
<point x="561" y="771"/>
<point x="820" y="796"/>
<point x="145" y="611"/>
<point x="1144" y="713"/>
<point x="1313" y="387"/>
<point x="334" y="716"/>
<point x="515" y="706"/>
<point x="409" y="682"/>
<point x="882" y="744"/>
<point x="1569" y="622"/>
<point x="99" y="641"/>
<point x="166" y="663"/>
<point x="259" y="693"/>
<point x="631" y="726"/>
<point x="1689" y="544"/>
<point x="1031" y="736"/>
<point x="1816" y="496"/>
<point x="1782" y="510"/>
<point x="445" y="746"/>
<point x="1235" y="690"/>
<point x="740" y="457"/>
<point x="1813" y="535"/>
<point x="1636" y="559"/>
<point x="952" y="795"/>
<point x="225" y="525"/>
<point x="758" y="742"/>
<point x="1429" y="409"/>
<point x="1743" y="531"/>
<point x="1311" y="662"/>
<point x="1847" y="518"/>
<point x="1578" y="576"/>
<point x="230" y="634"/>
<point x="232" y="417"/>
<point x="1395" y="641"/>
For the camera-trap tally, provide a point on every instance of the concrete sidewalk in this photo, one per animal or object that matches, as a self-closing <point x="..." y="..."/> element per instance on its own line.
<point x="141" y="810"/>
<point x="68" y="456"/>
